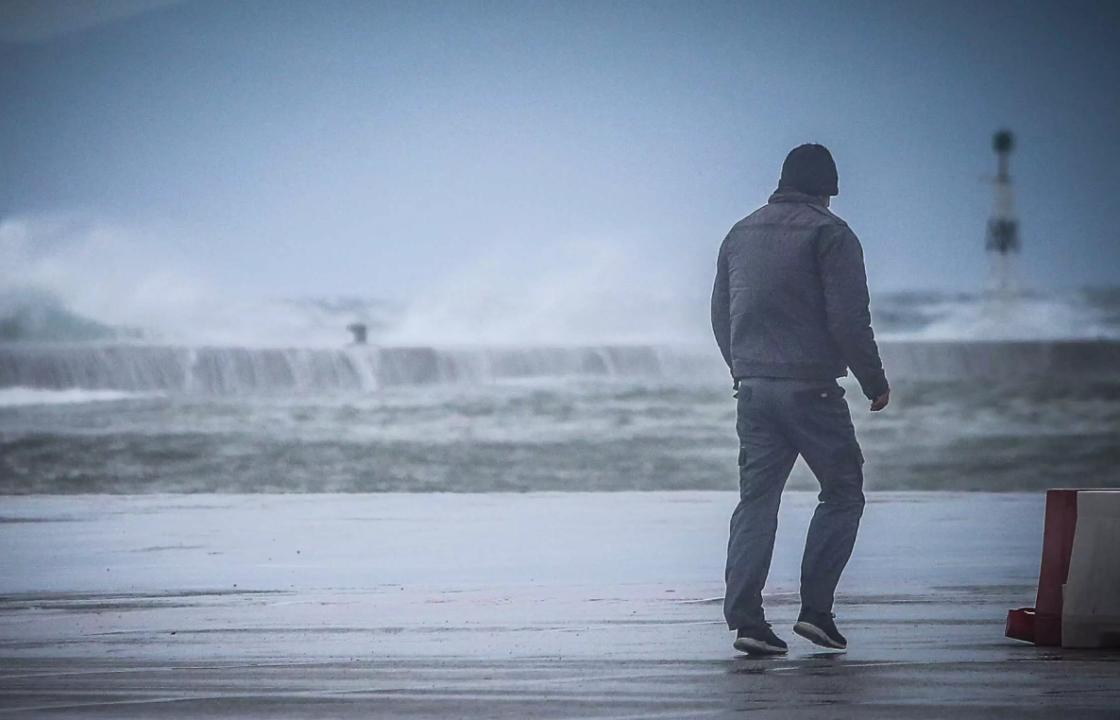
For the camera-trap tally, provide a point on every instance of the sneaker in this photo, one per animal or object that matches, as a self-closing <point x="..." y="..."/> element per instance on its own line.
<point x="759" y="640"/>
<point x="818" y="627"/>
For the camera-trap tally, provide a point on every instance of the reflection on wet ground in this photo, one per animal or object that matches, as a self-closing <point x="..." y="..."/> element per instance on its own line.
<point x="539" y="605"/>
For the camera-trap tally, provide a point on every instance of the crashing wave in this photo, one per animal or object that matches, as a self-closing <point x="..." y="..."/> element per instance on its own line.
<point x="224" y="371"/>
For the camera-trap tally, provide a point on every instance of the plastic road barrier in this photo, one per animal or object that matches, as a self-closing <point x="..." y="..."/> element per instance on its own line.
<point x="1078" y="602"/>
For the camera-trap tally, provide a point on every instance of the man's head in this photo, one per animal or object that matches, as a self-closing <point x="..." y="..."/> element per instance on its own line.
<point x="810" y="169"/>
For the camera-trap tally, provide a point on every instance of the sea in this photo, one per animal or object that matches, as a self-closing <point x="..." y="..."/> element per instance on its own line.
<point x="994" y="394"/>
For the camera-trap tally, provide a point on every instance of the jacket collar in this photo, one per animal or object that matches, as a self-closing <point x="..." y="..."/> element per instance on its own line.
<point x="785" y="195"/>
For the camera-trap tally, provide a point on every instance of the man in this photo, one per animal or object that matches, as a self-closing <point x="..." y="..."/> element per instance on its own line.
<point x="790" y="314"/>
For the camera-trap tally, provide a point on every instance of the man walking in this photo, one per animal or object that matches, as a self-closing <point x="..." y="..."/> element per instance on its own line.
<point x="790" y="314"/>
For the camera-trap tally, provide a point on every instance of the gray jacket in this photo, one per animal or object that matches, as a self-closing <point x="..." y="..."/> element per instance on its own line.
<point x="790" y="297"/>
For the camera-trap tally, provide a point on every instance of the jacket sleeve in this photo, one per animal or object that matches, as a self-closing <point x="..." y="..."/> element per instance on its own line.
<point x="844" y="279"/>
<point x="721" y="306"/>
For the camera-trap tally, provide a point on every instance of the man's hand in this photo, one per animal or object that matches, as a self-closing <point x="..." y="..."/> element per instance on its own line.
<point x="881" y="402"/>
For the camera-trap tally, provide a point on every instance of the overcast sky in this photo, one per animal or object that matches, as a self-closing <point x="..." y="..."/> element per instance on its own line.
<point x="383" y="149"/>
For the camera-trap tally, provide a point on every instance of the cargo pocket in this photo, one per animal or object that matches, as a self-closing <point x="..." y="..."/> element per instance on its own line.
<point x="848" y="459"/>
<point x="844" y="485"/>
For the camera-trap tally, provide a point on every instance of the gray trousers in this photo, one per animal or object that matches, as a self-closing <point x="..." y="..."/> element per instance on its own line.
<point x="778" y="420"/>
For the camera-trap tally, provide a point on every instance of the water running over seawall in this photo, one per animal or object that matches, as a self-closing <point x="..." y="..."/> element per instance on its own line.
<point x="239" y="370"/>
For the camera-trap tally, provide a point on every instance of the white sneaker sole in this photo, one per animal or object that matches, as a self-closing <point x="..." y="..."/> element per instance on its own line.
<point x="758" y="647"/>
<point x="814" y="634"/>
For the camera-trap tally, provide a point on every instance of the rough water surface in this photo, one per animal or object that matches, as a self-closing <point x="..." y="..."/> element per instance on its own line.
<point x="656" y="430"/>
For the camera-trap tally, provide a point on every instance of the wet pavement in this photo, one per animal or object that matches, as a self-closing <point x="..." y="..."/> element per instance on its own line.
<point x="539" y="605"/>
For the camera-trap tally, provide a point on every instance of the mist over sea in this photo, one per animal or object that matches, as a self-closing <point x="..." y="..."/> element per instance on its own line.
<point x="993" y="395"/>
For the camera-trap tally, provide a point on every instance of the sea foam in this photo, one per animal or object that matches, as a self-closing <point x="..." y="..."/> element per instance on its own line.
<point x="25" y="396"/>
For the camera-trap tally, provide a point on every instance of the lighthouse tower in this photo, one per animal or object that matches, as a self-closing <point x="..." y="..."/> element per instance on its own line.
<point x="1003" y="228"/>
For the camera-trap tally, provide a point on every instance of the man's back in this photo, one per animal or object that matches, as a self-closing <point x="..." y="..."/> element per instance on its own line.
<point x="790" y="314"/>
<point x="790" y="299"/>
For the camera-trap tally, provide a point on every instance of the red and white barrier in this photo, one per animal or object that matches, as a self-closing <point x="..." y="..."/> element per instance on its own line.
<point x="1078" y="602"/>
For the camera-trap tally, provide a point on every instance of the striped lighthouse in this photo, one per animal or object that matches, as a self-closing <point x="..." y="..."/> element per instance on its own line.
<point x="1003" y="228"/>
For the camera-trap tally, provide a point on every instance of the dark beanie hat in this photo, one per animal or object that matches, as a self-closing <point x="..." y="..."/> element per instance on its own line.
<point x="809" y="169"/>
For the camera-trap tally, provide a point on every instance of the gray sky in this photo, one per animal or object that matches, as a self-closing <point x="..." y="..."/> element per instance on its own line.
<point x="387" y="149"/>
